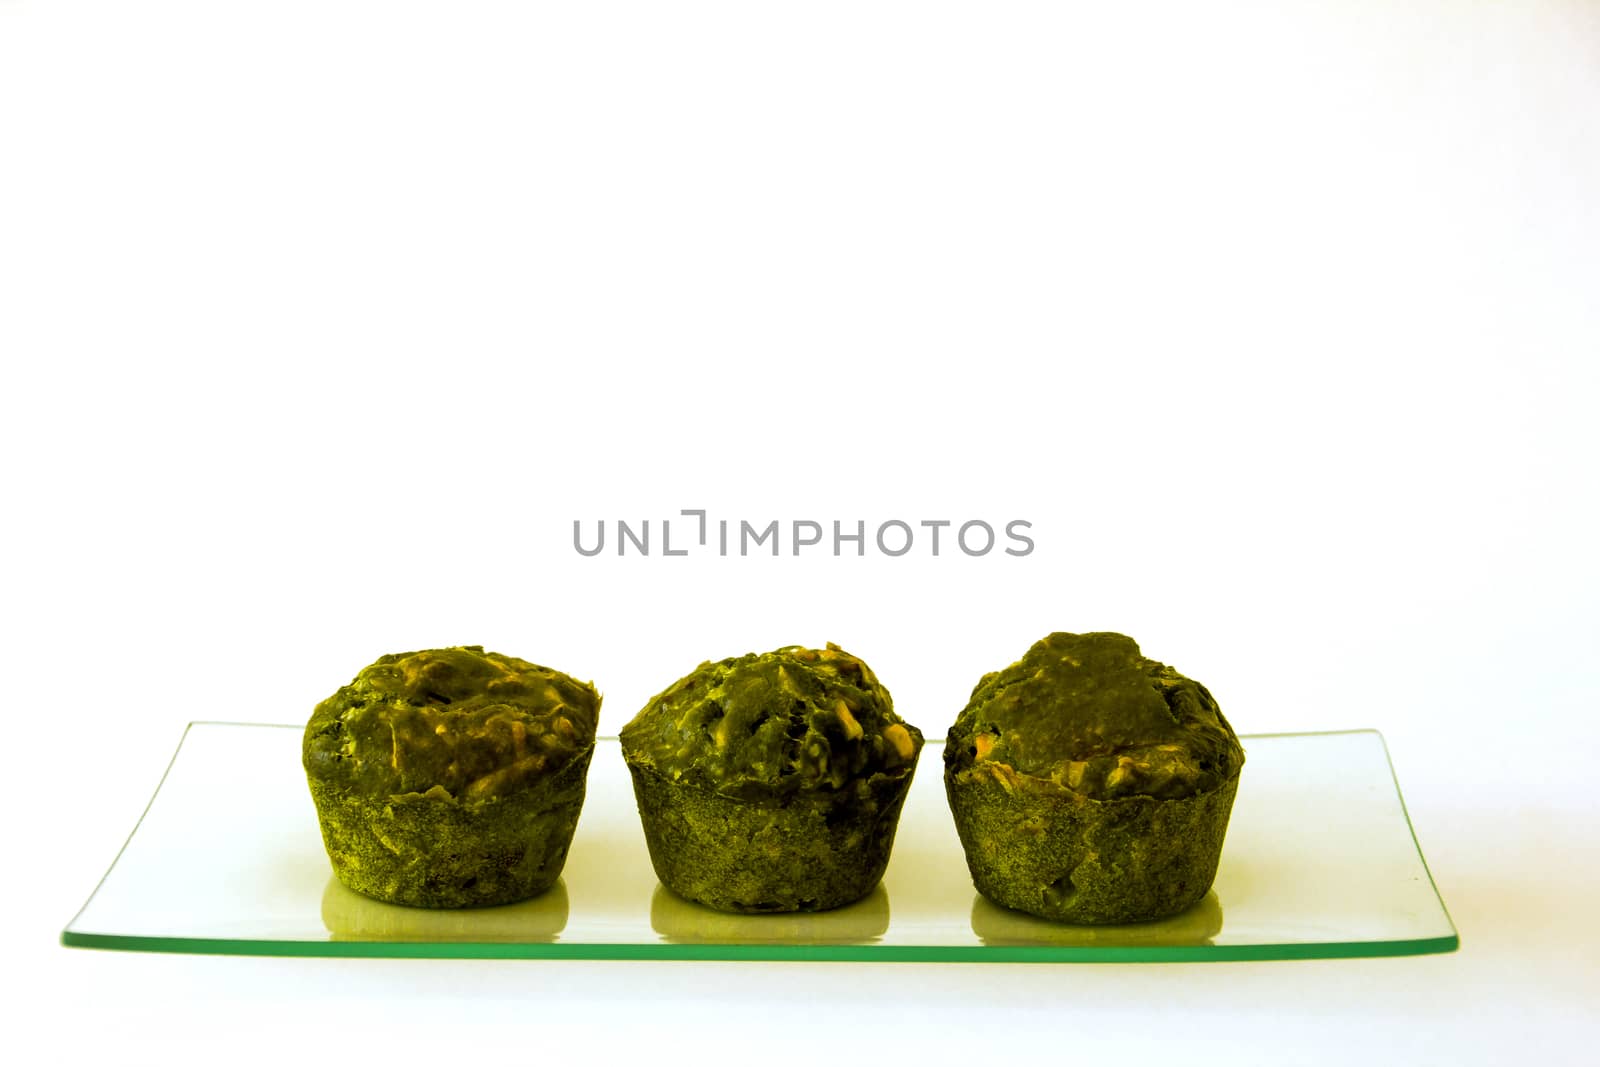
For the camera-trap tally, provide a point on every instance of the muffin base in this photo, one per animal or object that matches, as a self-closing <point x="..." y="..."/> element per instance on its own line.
<point x="1043" y="849"/>
<point x="810" y="853"/>
<point x="438" y="852"/>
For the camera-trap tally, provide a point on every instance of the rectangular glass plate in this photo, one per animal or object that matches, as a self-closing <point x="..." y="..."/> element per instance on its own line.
<point x="1320" y="861"/>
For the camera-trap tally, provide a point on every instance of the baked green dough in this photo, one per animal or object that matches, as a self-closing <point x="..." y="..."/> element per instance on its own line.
<point x="452" y="777"/>
<point x="1090" y="784"/>
<point x="772" y="782"/>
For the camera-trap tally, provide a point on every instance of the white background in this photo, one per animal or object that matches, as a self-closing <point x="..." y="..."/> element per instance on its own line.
<point x="321" y="323"/>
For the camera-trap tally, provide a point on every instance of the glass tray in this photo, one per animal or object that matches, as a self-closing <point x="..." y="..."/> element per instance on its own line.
<point x="1320" y="861"/>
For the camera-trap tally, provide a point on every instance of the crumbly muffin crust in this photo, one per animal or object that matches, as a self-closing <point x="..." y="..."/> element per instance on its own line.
<point x="772" y="725"/>
<point x="1090" y="784"/>
<point x="1089" y="712"/>
<point x="457" y="722"/>
<point x="451" y="777"/>
<point x="772" y="782"/>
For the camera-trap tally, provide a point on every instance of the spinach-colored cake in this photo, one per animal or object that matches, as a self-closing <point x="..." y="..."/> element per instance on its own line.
<point x="1090" y="784"/>
<point x="451" y="778"/>
<point x="772" y="782"/>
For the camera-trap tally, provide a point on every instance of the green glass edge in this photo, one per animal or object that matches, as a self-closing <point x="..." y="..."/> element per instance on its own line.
<point x="770" y="953"/>
<point x="1454" y="937"/>
<point x="865" y="953"/>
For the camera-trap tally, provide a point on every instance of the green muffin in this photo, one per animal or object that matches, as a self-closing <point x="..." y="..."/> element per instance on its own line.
<point x="773" y="782"/>
<point x="451" y="778"/>
<point x="1090" y="784"/>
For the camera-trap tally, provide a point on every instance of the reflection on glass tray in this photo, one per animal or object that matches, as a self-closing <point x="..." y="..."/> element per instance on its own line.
<point x="1320" y="861"/>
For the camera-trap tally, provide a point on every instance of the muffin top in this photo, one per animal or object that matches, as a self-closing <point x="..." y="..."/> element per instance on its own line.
<point x="450" y="723"/>
<point x="773" y="725"/>
<point x="1088" y="712"/>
